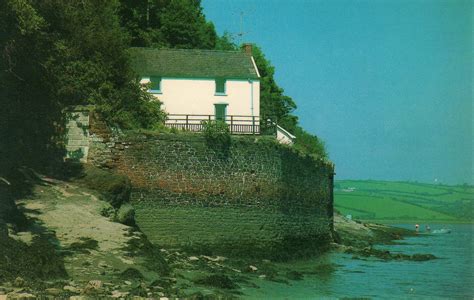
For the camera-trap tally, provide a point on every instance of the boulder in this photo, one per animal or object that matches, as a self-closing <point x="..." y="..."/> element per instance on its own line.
<point x="93" y="287"/>
<point x="253" y="268"/>
<point x="19" y="282"/>
<point x="53" y="291"/>
<point x="21" y="296"/>
<point x="72" y="289"/>
<point x="422" y="257"/>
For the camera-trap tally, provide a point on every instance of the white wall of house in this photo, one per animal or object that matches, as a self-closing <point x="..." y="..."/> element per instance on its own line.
<point x="197" y="96"/>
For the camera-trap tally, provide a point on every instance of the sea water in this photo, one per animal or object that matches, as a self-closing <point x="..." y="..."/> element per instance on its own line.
<point x="450" y="276"/>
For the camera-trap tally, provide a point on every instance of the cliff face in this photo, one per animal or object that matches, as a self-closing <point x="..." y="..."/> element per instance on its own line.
<point x="254" y="198"/>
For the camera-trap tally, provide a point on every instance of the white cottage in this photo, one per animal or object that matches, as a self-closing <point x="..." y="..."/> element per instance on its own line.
<point x="197" y="85"/>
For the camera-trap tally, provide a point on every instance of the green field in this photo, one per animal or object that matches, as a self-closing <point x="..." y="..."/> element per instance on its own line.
<point x="387" y="201"/>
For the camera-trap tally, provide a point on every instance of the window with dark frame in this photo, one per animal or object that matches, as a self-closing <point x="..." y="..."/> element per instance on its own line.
<point x="220" y="86"/>
<point x="155" y="83"/>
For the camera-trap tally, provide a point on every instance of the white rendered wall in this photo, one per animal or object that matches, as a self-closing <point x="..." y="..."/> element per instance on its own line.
<point x="197" y="96"/>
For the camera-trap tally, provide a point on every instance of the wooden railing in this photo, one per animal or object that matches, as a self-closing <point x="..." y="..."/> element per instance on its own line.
<point x="238" y="124"/>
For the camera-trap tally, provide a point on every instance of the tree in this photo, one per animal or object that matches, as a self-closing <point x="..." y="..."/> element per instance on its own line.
<point x="226" y="42"/>
<point x="167" y="23"/>
<point x="141" y="21"/>
<point x="183" y="25"/>
<point x="59" y="53"/>
<point x="308" y="143"/>
<point x="28" y="109"/>
<point x="275" y="105"/>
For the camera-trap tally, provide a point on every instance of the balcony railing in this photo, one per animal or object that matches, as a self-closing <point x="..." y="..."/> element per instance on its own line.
<point x="238" y="124"/>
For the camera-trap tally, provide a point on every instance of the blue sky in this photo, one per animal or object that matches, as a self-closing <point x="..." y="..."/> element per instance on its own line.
<point x="387" y="84"/>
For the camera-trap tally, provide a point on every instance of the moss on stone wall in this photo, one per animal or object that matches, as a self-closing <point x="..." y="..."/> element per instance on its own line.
<point x="114" y="188"/>
<point x="261" y="199"/>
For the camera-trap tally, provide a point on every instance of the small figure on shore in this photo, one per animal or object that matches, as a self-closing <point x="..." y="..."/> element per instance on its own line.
<point x="428" y="229"/>
<point x="417" y="227"/>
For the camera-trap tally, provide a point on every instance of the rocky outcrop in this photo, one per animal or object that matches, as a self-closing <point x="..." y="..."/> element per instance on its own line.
<point x="357" y="238"/>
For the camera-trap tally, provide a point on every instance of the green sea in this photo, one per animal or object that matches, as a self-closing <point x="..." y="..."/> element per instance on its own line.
<point x="450" y="276"/>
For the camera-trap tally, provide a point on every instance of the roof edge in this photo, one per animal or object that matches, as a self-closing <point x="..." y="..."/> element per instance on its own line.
<point x="255" y="66"/>
<point x="244" y="78"/>
<point x="184" y="50"/>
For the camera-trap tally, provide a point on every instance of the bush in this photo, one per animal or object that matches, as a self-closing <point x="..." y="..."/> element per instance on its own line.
<point x="126" y="215"/>
<point x="106" y="210"/>
<point x="217" y="135"/>
<point x="114" y="188"/>
<point x="309" y="144"/>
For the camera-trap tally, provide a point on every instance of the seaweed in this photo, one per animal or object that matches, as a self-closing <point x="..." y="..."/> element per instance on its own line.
<point x="217" y="280"/>
<point x="131" y="273"/>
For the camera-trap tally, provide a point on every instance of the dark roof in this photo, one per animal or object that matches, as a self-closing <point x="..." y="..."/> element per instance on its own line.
<point x="192" y="63"/>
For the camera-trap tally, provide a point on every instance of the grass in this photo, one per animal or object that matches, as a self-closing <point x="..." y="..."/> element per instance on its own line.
<point x="392" y="202"/>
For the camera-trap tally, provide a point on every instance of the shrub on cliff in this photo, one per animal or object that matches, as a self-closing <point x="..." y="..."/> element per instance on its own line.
<point x="106" y="210"/>
<point x="217" y="135"/>
<point x="126" y="215"/>
<point x="309" y="144"/>
<point x="114" y="188"/>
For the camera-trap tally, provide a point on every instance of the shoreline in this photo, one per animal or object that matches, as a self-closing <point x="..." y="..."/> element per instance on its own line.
<point x="423" y="222"/>
<point x="100" y="266"/>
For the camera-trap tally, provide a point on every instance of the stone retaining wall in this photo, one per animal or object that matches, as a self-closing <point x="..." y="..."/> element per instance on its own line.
<point x="261" y="198"/>
<point x="258" y="199"/>
<point x="77" y="128"/>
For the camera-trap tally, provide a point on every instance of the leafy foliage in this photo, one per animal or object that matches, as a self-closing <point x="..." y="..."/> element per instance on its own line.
<point x="308" y="143"/>
<point x="275" y="105"/>
<point x="184" y="25"/>
<point x="167" y="23"/>
<point x="114" y="188"/>
<point x="28" y="108"/>
<point x="60" y="53"/>
<point x="126" y="214"/>
<point x="217" y="135"/>
<point x="225" y="42"/>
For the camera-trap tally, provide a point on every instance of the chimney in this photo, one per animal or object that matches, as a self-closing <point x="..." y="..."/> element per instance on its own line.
<point x="247" y="47"/>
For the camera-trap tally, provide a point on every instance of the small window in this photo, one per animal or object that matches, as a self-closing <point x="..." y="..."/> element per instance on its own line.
<point x="220" y="86"/>
<point x="155" y="84"/>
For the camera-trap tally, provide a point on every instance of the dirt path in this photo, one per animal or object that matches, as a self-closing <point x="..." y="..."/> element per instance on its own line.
<point x="94" y="246"/>
<point x="99" y="264"/>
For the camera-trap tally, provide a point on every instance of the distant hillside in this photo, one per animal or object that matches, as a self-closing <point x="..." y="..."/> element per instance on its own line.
<point x="387" y="201"/>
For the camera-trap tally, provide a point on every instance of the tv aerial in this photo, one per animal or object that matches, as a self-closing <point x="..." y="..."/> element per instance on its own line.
<point x="240" y="35"/>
